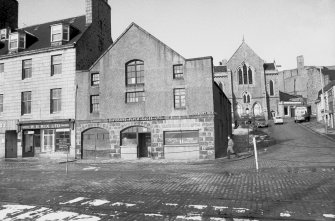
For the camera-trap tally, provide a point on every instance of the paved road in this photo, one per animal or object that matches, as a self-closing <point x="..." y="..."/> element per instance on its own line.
<point x="296" y="181"/>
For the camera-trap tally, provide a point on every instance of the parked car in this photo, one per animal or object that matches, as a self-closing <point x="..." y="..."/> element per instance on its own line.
<point x="278" y="120"/>
<point x="262" y="122"/>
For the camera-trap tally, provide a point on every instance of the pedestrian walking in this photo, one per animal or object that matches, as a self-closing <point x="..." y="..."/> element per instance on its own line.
<point x="230" y="149"/>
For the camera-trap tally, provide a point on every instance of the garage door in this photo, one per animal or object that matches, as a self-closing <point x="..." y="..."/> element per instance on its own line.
<point x="96" y="144"/>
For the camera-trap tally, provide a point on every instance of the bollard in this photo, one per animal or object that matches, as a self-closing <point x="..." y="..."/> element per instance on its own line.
<point x="255" y="152"/>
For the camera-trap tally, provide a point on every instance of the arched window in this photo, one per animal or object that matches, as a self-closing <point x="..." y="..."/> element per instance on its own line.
<point x="257" y="109"/>
<point x="271" y="88"/>
<point x="245" y="74"/>
<point x="239" y="109"/>
<point x="246" y="97"/>
<point x="250" y="76"/>
<point x="240" y="76"/>
<point x="135" y="72"/>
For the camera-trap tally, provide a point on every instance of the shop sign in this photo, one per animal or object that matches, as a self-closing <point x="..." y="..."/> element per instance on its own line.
<point x="63" y="141"/>
<point x="45" y="126"/>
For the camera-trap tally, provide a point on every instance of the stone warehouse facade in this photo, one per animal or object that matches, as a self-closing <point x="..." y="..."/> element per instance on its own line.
<point x="38" y="66"/>
<point x="143" y="99"/>
<point x="250" y="84"/>
<point x="305" y="81"/>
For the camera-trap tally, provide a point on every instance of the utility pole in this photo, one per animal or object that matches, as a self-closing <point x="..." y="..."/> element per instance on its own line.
<point x="324" y="102"/>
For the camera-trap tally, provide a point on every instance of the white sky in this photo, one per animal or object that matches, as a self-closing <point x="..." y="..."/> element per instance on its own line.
<point x="274" y="29"/>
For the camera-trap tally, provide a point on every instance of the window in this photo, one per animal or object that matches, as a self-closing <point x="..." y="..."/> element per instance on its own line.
<point x="56" y="64"/>
<point x="181" y="137"/>
<point x="2" y="67"/>
<point x="26" y="102"/>
<point x="178" y="71"/>
<point x="14" y="41"/>
<point x="246" y="97"/>
<point x="179" y="98"/>
<point x="95" y="81"/>
<point x="3" y="34"/>
<point x="257" y="109"/>
<point x="271" y="88"/>
<point x="60" y="32"/>
<point x="135" y="72"/>
<point x="17" y="40"/>
<point x="55" y="100"/>
<point x="48" y="140"/>
<point x="1" y="103"/>
<point x="245" y="75"/>
<point x="26" y="68"/>
<point x="94" y="104"/>
<point x="134" y="97"/>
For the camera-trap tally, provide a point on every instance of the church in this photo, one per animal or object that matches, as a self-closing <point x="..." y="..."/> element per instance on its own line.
<point x="250" y="84"/>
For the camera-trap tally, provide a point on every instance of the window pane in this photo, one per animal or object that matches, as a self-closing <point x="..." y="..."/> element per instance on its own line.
<point x="189" y="137"/>
<point x="172" y="138"/>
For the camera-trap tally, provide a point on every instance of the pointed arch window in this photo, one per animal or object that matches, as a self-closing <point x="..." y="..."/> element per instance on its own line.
<point x="240" y="76"/>
<point x="245" y="75"/>
<point x="257" y="110"/>
<point x="246" y="97"/>
<point x="271" y="88"/>
<point x="250" y="75"/>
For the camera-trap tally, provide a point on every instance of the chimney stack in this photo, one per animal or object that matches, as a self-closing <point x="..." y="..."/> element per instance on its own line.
<point x="300" y="63"/>
<point x="9" y="14"/>
<point x="96" y="10"/>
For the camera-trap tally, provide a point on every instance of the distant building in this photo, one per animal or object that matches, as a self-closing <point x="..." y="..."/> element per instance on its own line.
<point x="143" y="99"/>
<point x="325" y="104"/>
<point x="305" y="81"/>
<point x="250" y="83"/>
<point x="38" y="66"/>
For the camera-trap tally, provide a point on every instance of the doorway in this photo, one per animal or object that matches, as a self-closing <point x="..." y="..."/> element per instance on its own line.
<point x="11" y="144"/>
<point x="144" y="141"/>
<point x="28" y="144"/>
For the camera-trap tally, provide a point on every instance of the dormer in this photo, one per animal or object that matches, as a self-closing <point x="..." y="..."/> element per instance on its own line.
<point x="60" y="34"/>
<point x="4" y="34"/>
<point x="20" y="40"/>
<point x="17" y="41"/>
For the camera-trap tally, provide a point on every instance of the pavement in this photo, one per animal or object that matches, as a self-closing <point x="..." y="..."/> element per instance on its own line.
<point x="319" y="128"/>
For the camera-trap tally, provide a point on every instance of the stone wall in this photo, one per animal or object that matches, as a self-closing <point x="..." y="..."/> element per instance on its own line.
<point x="204" y="124"/>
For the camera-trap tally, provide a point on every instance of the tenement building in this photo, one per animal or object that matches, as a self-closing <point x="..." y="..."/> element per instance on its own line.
<point x="250" y="84"/>
<point x="38" y="66"/>
<point x="143" y="99"/>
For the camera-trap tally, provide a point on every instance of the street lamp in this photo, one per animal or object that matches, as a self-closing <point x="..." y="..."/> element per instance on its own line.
<point x="324" y="102"/>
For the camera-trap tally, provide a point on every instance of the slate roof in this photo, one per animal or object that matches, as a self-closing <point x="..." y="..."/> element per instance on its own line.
<point x="220" y="68"/>
<point x="329" y="70"/>
<point x="287" y="97"/>
<point x="269" y="67"/>
<point x="42" y="33"/>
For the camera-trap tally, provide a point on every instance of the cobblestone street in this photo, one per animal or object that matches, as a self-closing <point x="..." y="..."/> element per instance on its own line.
<point x="296" y="181"/>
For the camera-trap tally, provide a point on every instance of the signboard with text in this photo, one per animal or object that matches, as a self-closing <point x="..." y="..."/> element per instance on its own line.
<point x="45" y="126"/>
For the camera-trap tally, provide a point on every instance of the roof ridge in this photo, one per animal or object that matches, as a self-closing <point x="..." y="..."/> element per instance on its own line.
<point x="31" y="26"/>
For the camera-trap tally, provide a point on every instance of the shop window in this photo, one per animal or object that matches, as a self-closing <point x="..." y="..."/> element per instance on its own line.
<point x="179" y="98"/>
<point x="26" y="69"/>
<point x="26" y="102"/>
<point x="55" y="100"/>
<point x="95" y="79"/>
<point x="1" y="103"/>
<point x="48" y="140"/>
<point x="178" y="71"/>
<point x="135" y="72"/>
<point x="56" y="64"/>
<point x="135" y="97"/>
<point x="129" y="135"/>
<point x="181" y="137"/>
<point x="94" y="104"/>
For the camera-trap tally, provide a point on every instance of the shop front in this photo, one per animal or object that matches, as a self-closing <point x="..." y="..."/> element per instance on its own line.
<point x="49" y="138"/>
